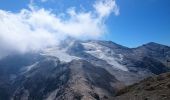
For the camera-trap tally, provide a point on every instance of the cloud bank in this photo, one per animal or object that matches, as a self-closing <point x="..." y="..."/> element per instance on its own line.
<point x="36" y="28"/>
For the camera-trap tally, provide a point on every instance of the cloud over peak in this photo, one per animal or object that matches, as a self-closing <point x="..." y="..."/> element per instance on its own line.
<point x="36" y="28"/>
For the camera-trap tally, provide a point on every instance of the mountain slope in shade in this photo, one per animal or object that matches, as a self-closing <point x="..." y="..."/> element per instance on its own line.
<point x="152" y="88"/>
<point x="79" y="70"/>
<point x="77" y="79"/>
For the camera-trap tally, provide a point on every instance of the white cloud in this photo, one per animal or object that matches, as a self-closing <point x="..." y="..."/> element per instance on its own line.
<point x="18" y="34"/>
<point x="34" y="29"/>
<point x="105" y="7"/>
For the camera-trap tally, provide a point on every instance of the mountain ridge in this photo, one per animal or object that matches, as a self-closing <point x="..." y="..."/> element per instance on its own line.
<point x="79" y="70"/>
<point x="153" y="88"/>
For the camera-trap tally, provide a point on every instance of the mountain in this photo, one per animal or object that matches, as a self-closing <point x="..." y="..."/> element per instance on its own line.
<point x="79" y="70"/>
<point x="153" y="88"/>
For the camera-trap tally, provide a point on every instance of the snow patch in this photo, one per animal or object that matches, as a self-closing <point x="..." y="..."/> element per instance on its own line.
<point x="104" y="53"/>
<point x="28" y="68"/>
<point x="59" y="53"/>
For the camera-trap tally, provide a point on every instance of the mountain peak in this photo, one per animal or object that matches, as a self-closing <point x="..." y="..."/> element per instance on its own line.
<point x="154" y="44"/>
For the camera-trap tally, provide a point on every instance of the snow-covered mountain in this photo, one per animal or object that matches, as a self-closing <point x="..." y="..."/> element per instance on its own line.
<point x="79" y="70"/>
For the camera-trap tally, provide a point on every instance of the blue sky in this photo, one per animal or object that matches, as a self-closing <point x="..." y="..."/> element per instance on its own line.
<point x="139" y="21"/>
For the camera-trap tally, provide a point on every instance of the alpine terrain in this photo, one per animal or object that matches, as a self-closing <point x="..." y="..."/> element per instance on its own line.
<point x="83" y="70"/>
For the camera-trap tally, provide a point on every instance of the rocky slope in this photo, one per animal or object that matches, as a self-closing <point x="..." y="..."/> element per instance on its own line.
<point x="152" y="88"/>
<point x="79" y="70"/>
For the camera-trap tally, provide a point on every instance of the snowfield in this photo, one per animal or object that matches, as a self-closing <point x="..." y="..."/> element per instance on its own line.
<point x="105" y="54"/>
<point x="59" y="53"/>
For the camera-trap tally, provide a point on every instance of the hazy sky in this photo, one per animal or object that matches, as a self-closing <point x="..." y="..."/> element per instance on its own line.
<point x="127" y="22"/>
